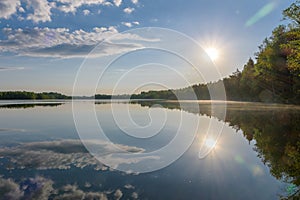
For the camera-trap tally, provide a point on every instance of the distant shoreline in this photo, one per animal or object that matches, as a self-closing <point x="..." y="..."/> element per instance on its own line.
<point x="143" y="96"/>
<point x="163" y="101"/>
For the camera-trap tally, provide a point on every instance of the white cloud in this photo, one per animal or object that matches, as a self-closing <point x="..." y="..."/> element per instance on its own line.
<point x="107" y="3"/>
<point x="154" y="20"/>
<point x="135" y="1"/>
<point x="9" y="189"/>
<point x="65" y="154"/>
<point x="21" y="10"/>
<point x="42" y="188"/>
<point x="50" y="155"/>
<point x="71" y="5"/>
<point x="36" y="188"/>
<point x="86" y="12"/>
<point x="129" y="186"/>
<point x="8" y="8"/>
<point x="128" y="24"/>
<point x="128" y="10"/>
<point x="72" y="192"/>
<point x="135" y="195"/>
<point x="41" y="11"/>
<point x="20" y="18"/>
<point x="60" y="154"/>
<point x="117" y="2"/>
<point x="118" y="194"/>
<point x="62" y="43"/>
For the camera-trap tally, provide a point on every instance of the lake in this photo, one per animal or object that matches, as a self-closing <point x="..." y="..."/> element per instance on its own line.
<point x="148" y="150"/>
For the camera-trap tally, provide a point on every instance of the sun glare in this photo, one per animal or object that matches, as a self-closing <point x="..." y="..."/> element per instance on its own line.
<point x="212" y="53"/>
<point x="210" y="143"/>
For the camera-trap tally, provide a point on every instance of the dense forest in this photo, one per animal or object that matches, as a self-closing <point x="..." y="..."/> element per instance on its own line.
<point x="31" y="95"/>
<point x="274" y="76"/>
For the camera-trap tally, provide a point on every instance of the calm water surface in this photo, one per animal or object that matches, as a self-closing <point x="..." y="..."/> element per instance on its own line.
<point x="255" y="157"/>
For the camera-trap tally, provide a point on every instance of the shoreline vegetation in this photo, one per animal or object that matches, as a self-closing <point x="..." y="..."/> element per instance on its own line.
<point x="274" y="76"/>
<point x="25" y="95"/>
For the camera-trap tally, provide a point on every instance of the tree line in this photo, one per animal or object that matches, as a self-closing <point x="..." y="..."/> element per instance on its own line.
<point x="9" y="95"/>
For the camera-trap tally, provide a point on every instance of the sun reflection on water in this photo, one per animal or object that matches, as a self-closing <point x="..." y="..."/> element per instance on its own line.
<point x="210" y="143"/>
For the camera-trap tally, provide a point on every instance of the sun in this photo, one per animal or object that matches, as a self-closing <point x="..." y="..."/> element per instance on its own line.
<point x="212" y="53"/>
<point x="210" y="143"/>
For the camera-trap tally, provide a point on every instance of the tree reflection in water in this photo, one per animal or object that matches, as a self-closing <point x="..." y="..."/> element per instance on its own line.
<point x="275" y="129"/>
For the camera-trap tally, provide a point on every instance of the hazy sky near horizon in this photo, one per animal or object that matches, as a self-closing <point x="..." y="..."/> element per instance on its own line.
<point x="43" y="43"/>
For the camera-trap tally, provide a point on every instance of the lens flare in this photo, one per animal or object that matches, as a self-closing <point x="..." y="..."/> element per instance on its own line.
<point x="264" y="11"/>
<point x="212" y="53"/>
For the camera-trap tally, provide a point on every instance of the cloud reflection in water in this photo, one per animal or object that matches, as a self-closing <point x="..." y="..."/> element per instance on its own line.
<point x="62" y="154"/>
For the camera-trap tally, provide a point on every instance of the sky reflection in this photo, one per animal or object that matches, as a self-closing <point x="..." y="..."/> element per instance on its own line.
<point x="232" y="170"/>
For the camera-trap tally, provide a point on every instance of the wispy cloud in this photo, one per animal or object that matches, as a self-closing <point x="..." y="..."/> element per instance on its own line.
<point x="11" y="129"/>
<point x="63" y="154"/>
<point x="129" y="186"/>
<point x="131" y="24"/>
<point x="11" y="68"/>
<point x="71" y="6"/>
<point x="62" y="43"/>
<point x="128" y="10"/>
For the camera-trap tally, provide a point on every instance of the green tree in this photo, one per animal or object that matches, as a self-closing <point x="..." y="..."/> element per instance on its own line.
<point x="249" y="85"/>
<point x="293" y="13"/>
<point x="273" y="72"/>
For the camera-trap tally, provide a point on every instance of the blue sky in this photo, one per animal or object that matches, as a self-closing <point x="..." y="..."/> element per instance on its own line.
<point x="44" y="42"/>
